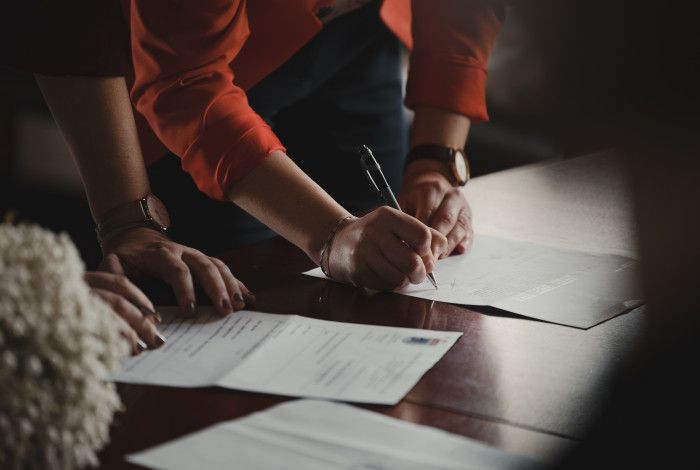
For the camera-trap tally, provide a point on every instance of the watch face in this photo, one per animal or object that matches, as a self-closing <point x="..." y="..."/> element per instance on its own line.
<point x="157" y="211"/>
<point x="460" y="167"/>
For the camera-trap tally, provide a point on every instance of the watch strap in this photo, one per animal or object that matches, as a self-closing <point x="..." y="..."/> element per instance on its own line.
<point x="430" y="152"/>
<point x="134" y="214"/>
<point x="129" y="213"/>
<point x="445" y="155"/>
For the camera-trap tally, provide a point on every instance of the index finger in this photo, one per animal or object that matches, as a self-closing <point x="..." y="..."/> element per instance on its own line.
<point x="438" y="243"/>
<point x="170" y="268"/>
<point x="119" y="284"/>
<point x="447" y="214"/>
<point x="411" y="230"/>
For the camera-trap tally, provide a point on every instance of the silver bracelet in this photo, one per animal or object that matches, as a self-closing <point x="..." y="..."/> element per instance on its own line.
<point x="326" y="250"/>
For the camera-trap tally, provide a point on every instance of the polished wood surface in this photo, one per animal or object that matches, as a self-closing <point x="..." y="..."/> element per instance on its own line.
<point x="520" y="384"/>
<point x="523" y="385"/>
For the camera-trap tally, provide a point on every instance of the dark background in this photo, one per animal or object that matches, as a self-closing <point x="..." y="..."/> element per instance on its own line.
<point x="566" y="78"/>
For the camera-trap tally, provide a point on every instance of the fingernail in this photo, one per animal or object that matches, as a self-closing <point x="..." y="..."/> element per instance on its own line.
<point x="191" y="309"/>
<point x="238" y="298"/>
<point x="226" y="304"/>
<point x="154" y="317"/>
<point x="160" y="340"/>
<point x="145" y="310"/>
<point x="141" y="345"/>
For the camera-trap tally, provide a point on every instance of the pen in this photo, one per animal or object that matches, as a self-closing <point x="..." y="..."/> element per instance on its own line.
<point x="371" y="167"/>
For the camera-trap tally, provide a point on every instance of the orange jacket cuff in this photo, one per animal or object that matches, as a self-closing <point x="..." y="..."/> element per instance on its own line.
<point x="216" y="163"/>
<point x="454" y="85"/>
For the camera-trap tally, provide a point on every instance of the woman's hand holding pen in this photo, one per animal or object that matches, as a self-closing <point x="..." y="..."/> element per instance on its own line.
<point x="384" y="250"/>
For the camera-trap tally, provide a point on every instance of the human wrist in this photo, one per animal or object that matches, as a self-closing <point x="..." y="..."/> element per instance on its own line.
<point x="147" y="211"/>
<point x="116" y="238"/>
<point x="315" y="246"/>
<point x="325" y="256"/>
<point x="426" y="169"/>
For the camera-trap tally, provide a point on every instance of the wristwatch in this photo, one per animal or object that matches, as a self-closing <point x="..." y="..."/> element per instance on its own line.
<point x="149" y="211"/>
<point x="455" y="160"/>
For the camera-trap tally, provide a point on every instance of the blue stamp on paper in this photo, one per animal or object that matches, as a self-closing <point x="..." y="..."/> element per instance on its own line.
<point x="421" y="340"/>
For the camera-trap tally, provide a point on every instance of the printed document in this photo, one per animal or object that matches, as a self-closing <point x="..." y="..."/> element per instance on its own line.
<point x="319" y="435"/>
<point x="551" y="284"/>
<point x="288" y="355"/>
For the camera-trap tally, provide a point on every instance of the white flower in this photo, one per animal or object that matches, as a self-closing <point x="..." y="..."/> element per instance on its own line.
<point x="56" y="341"/>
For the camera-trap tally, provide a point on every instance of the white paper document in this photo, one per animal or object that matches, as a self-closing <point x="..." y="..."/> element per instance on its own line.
<point x="289" y="355"/>
<point x="318" y="435"/>
<point x="551" y="284"/>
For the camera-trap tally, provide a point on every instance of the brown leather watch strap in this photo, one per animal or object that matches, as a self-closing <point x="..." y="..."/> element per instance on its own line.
<point x="133" y="214"/>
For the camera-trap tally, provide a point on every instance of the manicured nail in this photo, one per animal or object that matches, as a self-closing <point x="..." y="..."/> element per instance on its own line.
<point x="154" y="317"/>
<point x="191" y="309"/>
<point x="141" y="345"/>
<point x="145" y="310"/>
<point x="160" y="340"/>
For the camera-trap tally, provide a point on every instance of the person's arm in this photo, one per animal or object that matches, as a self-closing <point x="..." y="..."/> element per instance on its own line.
<point x="446" y="88"/>
<point x="185" y="88"/>
<point x="94" y="115"/>
<point x="382" y="250"/>
<point x="96" y="121"/>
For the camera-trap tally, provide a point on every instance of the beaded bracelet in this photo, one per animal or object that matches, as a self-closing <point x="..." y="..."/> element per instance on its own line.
<point x="326" y="250"/>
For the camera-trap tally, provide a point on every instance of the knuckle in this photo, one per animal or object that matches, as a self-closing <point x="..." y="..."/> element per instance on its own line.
<point x="446" y="218"/>
<point x="162" y="249"/>
<point x="383" y="210"/>
<point x="436" y="187"/>
<point x="120" y="304"/>
<point x="196" y="252"/>
<point x="415" y="264"/>
<point x="180" y="269"/>
<point x="218" y="263"/>
<point x="426" y="235"/>
<point x="121" y="280"/>
<point x="212" y="270"/>
<point x="462" y="220"/>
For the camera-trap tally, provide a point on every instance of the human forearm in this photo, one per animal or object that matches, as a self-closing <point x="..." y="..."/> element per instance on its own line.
<point x="96" y="119"/>
<point x="283" y="197"/>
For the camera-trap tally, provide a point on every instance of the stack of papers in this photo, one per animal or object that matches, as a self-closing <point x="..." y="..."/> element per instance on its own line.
<point x="311" y="435"/>
<point x="289" y="355"/>
<point x="552" y="284"/>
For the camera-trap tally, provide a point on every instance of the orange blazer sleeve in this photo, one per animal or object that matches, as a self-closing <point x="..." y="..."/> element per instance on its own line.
<point x="452" y="41"/>
<point x="183" y="86"/>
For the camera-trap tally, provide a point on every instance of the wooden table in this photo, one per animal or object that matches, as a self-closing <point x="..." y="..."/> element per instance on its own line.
<point x="522" y="385"/>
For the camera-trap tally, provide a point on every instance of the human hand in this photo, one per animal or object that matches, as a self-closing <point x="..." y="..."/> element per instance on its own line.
<point x="428" y="195"/>
<point x="140" y="252"/>
<point x="384" y="250"/>
<point x="130" y="305"/>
